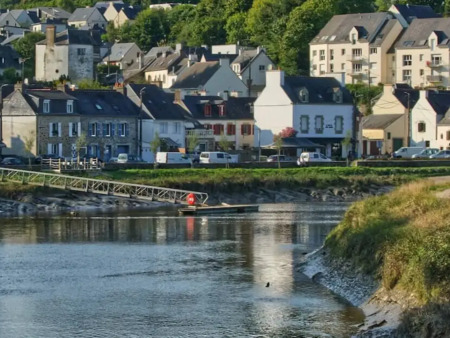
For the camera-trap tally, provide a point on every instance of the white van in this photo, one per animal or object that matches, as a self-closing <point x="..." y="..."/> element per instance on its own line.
<point x="407" y="152"/>
<point x="308" y="157"/>
<point x="172" y="157"/>
<point x="217" y="157"/>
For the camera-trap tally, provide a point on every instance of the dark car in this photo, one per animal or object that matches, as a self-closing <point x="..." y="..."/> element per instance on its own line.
<point x="55" y="157"/>
<point x="11" y="161"/>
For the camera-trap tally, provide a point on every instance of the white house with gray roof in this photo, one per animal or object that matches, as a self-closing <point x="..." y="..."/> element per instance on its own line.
<point x="89" y="17"/>
<point x="318" y="108"/>
<point x="123" y="55"/>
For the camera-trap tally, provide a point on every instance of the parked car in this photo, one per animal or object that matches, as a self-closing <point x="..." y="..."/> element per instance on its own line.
<point x="309" y="157"/>
<point x="441" y="154"/>
<point x="11" y="161"/>
<point x="55" y="157"/>
<point x="172" y="157"/>
<point x="127" y="158"/>
<point x="407" y="152"/>
<point x="283" y="158"/>
<point x="217" y="157"/>
<point x="113" y="160"/>
<point x="426" y="153"/>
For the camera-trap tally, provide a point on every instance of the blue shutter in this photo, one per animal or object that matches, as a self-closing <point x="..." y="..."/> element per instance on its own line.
<point x="118" y="129"/>
<point x="104" y="129"/>
<point x="90" y="129"/>
<point x="126" y="129"/>
<point x="112" y="129"/>
<point x="98" y="129"/>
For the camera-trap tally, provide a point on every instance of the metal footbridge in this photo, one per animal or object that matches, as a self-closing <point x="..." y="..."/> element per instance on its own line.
<point x="103" y="187"/>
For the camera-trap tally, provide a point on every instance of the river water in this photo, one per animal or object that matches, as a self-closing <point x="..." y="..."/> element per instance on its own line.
<point x="156" y="274"/>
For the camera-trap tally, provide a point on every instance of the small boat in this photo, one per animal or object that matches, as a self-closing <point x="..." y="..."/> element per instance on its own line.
<point x="218" y="209"/>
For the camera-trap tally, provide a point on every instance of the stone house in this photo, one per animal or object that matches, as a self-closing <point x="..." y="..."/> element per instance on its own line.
<point x="73" y="53"/>
<point x="56" y="118"/>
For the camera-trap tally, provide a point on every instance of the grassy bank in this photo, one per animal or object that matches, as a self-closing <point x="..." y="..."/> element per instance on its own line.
<point x="403" y="240"/>
<point x="244" y="179"/>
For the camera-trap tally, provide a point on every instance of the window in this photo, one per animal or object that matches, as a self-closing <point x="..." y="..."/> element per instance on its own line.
<point x="356" y="52"/>
<point x="388" y="135"/>
<point x="407" y="75"/>
<point x="319" y="124"/>
<point x="304" y="95"/>
<point x="314" y="53"/>
<point x="373" y="65"/>
<point x="73" y="129"/>
<point x="176" y="127"/>
<point x="208" y="126"/>
<point x="373" y="51"/>
<point x="107" y="130"/>
<point x="322" y="69"/>
<point x="353" y="38"/>
<point x="262" y="67"/>
<point x="342" y="66"/>
<point x="163" y="128"/>
<point x="207" y="110"/>
<point x="53" y="147"/>
<point x="343" y="51"/>
<point x="221" y="110"/>
<point x="123" y="129"/>
<point x="427" y="144"/>
<point x="231" y="129"/>
<point x="357" y="68"/>
<point x="448" y="135"/>
<point x="436" y="60"/>
<point x="337" y="95"/>
<point x="432" y="44"/>
<point x="339" y="124"/>
<point x="421" y="127"/>
<point x="94" y="129"/>
<point x="421" y="72"/>
<point x="331" y="54"/>
<point x="331" y="68"/>
<point x="407" y="60"/>
<point x="98" y="106"/>
<point x="246" y="129"/>
<point x="322" y="54"/>
<point x="46" y="106"/>
<point x="421" y="57"/>
<point x="218" y="129"/>
<point x="304" y="124"/>
<point x="54" y="129"/>
<point x="69" y="106"/>
<point x="81" y="51"/>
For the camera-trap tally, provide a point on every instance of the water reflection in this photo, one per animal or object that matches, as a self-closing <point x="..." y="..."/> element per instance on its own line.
<point x="165" y="275"/>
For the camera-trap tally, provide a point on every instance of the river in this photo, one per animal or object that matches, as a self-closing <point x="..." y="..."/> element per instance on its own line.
<point x="156" y="274"/>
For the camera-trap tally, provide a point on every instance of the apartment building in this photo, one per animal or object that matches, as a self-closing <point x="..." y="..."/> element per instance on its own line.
<point x="421" y="57"/>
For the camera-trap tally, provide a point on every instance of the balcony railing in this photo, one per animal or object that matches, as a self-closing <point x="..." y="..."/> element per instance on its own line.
<point x="434" y="63"/>
<point x="434" y="78"/>
<point x="201" y="133"/>
<point x="356" y="73"/>
<point x="355" y="58"/>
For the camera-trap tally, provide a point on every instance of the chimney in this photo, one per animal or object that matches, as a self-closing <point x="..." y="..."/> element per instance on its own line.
<point x="179" y="96"/>
<point x="388" y="89"/>
<point x="140" y="60"/>
<point x="120" y="88"/>
<point x="275" y="78"/>
<point x="20" y="87"/>
<point x="178" y="47"/>
<point x="50" y="35"/>
<point x="61" y="87"/>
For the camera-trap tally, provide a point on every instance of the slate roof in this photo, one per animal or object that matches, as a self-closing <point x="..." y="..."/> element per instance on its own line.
<point x="439" y="100"/>
<point x="159" y="104"/>
<point x="380" y="121"/>
<point x="118" y="51"/>
<point x="245" y="57"/>
<point x="416" y="35"/>
<point x="75" y="36"/>
<point x="411" y="12"/>
<point x="54" y="12"/>
<point x="236" y="108"/>
<point x="295" y="142"/>
<point x="164" y="62"/>
<point x="58" y="104"/>
<point x="10" y="57"/>
<point x="82" y="14"/>
<point x="112" y="103"/>
<point x="197" y="75"/>
<point x="118" y="4"/>
<point x="131" y="11"/>
<point x="404" y="92"/>
<point x="156" y="51"/>
<point x="337" y="30"/>
<point x="320" y="89"/>
<point x="11" y="39"/>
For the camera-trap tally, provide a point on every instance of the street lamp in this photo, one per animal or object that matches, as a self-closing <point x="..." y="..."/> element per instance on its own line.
<point x="2" y="145"/>
<point x="408" y="120"/>
<point x="22" y="61"/>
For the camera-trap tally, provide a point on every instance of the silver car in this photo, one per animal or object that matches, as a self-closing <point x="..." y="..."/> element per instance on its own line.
<point x="426" y="153"/>
<point x="441" y="154"/>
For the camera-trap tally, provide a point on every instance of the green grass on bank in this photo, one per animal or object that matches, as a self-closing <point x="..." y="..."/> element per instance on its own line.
<point x="244" y="179"/>
<point x="402" y="238"/>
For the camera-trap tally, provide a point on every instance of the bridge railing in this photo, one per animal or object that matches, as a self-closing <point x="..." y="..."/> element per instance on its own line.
<point x="104" y="187"/>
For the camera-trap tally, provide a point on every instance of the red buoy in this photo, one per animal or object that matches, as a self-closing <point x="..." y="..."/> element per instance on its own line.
<point x="191" y="199"/>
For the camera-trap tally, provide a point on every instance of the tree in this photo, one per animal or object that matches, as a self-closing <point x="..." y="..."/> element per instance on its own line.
<point x="80" y="143"/>
<point x="346" y="142"/>
<point x="278" y="143"/>
<point x="236" y="29"/>
<point x="90" y="84"/>
<point x="10" y="75"/>
<point x="178" y="18"/>
<point x="28" y="145"/>
<point x="288" y="132"/>
<point x="26" y="47"/>
<point x="224" y="145"/>
<point x="446" y="10"/>
<point x="148" y="30"/>
<point x="192" y="142"/>
<point x="67" y="5"/>
<point x="154" y="146"/>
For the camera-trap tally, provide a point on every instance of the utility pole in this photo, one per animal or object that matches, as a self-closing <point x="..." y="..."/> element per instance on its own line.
<point x="141" y="92"/>
<point x="408" y="121"/>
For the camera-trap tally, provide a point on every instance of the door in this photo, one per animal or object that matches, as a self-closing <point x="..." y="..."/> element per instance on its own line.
<point x="397" y="143"/>
<point x="122" y="149"/>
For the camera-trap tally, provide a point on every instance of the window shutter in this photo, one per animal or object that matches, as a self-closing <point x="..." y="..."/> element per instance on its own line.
<point x="112" y="129"/>
<point x="242" y="129"/>
<point x="90" y="129"/>
<point x="59" y="129"/>
<point x="104" y="129"/>
<point x="253" y="129"/>
<point x="70" y="129"/>
<point x="97" y="125"/>
<point x="60" y="149"/>
<point x="49" y="148"/>
<point x="127" y="131"/>
<point x="79" y="129"/>
<point x="50" y="130"/>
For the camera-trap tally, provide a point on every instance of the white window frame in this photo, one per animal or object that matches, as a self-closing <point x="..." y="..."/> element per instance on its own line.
<point x="69" y="106"/>
<point x="407" y="60"/>
<point x="406" y="75"/>
<point x="122" y="129"/>
<point x="322" y="54"/>
<point x="336" y="125"/>
<point x="46" y="106"/>
<point x="163" y="128"/>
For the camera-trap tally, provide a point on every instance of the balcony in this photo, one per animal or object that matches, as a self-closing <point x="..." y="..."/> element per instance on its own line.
<point x="357" y="74"/>
<point x="355" y="58"/>
<point x="434" y="63"/>
<point x="434" y="78"/>
<point x="201" y="133"/>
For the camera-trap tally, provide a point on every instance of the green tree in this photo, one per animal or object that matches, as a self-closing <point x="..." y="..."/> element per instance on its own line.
<point x="446" y="10"/>
<point x="10" y="75"/>
<point x="67" y="5"/>
<point x="26" y="47"/>
<point x="224" y="145"/>
<point x="237" y="6"/>
<point x="236" y="28"/>
<point x="278" y="143"/>
<point x="192" y="141"/>
<point x="155" y="144"/>
<point x="90" y="84"/>
<point x="178" y="18"/>
<point x="80" y="143"/>
<point x="28" y="145"/>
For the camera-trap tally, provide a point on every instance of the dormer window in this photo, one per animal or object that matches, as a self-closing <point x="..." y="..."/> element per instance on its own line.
<point x="46" y="106"/>
<point x="353" y="38"/>
<point x="69" y="106"/>
<point x="99" y="107"/>
<point x="337" y="95"/>
<point x="221" y="110"/>
<point x="304" y="95"/>
<point x="432" y="44"/>
<point x="207" y="110"/>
